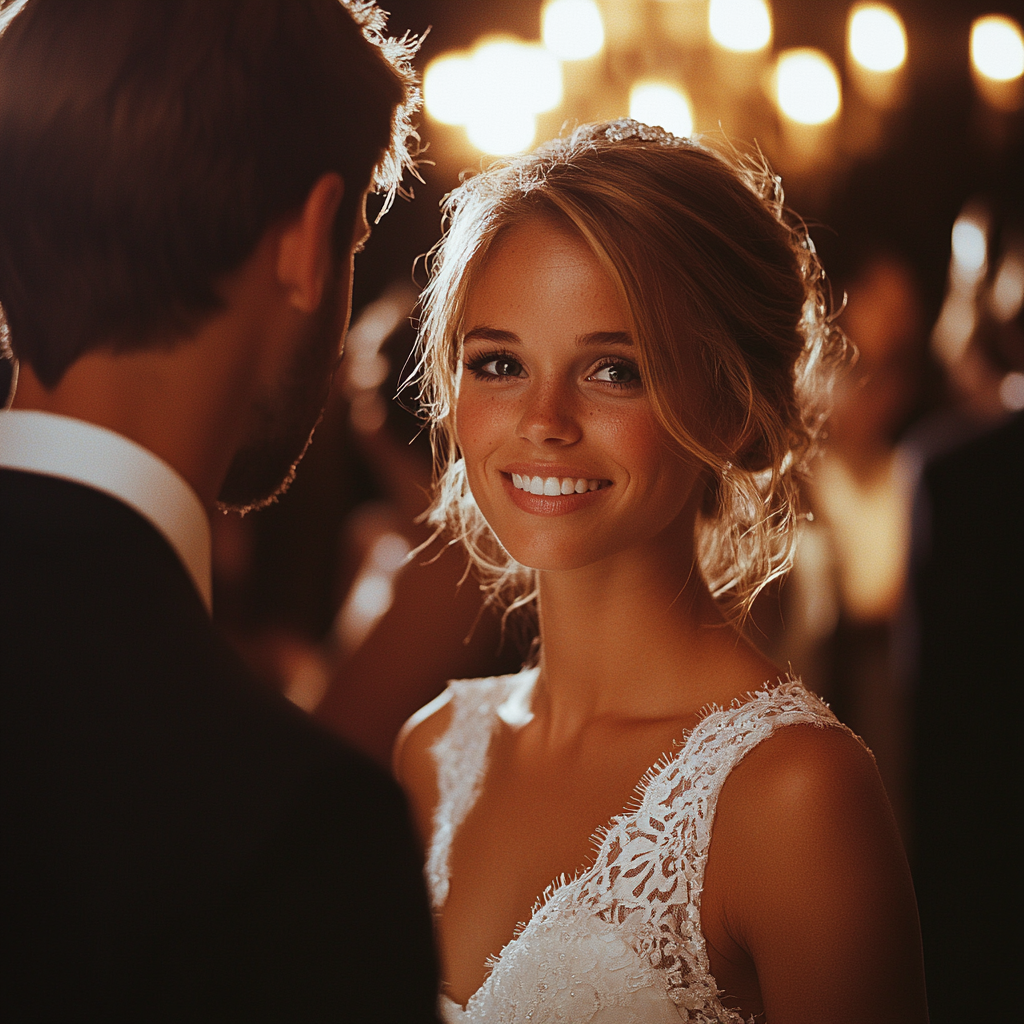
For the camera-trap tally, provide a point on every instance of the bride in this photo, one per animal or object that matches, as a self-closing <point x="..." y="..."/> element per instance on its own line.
<point x="625" y="353"/>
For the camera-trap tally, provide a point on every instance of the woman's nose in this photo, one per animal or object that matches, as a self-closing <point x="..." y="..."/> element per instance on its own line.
<point x="549" y="415"/>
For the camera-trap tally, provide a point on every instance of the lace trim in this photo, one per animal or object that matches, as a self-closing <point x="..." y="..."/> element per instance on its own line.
<point x="651" y="863"/>
<point x="461" y="758"/>
<point x="648" y="876"/>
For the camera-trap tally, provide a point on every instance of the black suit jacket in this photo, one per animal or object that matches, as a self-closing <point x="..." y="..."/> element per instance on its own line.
<point x="179" y="843"/>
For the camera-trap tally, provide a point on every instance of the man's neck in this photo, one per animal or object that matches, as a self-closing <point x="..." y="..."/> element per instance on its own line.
<point x="145" y="397"/>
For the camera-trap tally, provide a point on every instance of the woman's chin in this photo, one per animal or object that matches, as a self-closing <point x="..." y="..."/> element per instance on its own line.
<point x="545" y="558"/>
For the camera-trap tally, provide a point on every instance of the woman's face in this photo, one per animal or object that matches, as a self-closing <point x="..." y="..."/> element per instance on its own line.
<point x="563" y="453"/>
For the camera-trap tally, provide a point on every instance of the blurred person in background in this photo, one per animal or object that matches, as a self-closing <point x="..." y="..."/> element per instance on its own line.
<point x="184" y="189"/>
<point x="626" y="358"/>
<point x="962" y="630"/>
<point x="840" y="605"/>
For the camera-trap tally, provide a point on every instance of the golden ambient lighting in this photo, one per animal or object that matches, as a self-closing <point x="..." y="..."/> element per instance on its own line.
<point x="495" y="92"/>
<point x="997" y="48"/>
<point x="877" y="38"/>
<point x="661" y="105"/>
<point x="572" y="29"/>
<point x="969" y="247"/>
<point x="523" y="77"/>
<point x="740" y="25"/>
<point x="446" y="89"/>
<point x="504" y="133"/>
<point x="1006" y="298"/>
<point x="807" y="86"/>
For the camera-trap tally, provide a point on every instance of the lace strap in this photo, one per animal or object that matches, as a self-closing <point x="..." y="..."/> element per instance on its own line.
<point x="461" y="758"/>
<point x="721" y="740"/>
<point x="651" y="862"/>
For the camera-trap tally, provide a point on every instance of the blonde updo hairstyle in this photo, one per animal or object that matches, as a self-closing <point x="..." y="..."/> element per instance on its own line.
<point x="726" y="307"/>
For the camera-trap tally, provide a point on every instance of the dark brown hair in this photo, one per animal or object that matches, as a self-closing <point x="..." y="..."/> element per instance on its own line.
<point x="147" y="145"/>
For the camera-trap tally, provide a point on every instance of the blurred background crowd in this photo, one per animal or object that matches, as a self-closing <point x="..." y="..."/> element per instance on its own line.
<point x="898" y="132"/>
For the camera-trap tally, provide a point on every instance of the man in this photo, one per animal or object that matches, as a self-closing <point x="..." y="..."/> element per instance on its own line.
<point x="183" y="187"/>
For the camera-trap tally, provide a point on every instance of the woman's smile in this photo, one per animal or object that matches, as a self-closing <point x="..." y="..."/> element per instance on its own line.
<point x="552" y="492"/>
<point x="552" y="486"/>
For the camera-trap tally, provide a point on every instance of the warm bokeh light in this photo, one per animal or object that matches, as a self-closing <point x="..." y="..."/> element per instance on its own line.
<point x="447" y="92"/>
<point x="502" y="132"/>
<point x="807" y="86"/>
<point x="877" y="38"/>
<point x="741" y="25"/>
<point x="496" y="92"/>
<point x="516" y="76"/>
<point x="970" y="247"/>
<point x="662" y="106"/>
<point x="997" y="48"/>
<point x="1011" y="391"/>
<point x="1007" y="296"/>
<point x="573" y="29"/>
<point x="958" y="320"/>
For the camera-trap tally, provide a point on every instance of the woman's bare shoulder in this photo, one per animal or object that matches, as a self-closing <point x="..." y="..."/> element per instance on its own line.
<point x="413" y="765"/>
<point x="418" y="735"/>
<point x="806" y="867"/>
<point x="798" y="766"/>
<point x="807" y="793"/>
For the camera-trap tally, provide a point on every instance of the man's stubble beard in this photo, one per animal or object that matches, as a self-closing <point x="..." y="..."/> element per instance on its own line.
<point x="263" y="468"/>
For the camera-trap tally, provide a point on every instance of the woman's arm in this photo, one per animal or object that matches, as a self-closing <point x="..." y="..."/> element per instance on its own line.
<point x="807" y="878"/>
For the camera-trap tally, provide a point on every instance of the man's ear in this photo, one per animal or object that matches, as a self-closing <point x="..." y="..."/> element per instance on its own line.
<point x="305" y="251"/>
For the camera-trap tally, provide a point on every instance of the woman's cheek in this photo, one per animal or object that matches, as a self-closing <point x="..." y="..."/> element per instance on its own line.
<point x="478" y="423"/>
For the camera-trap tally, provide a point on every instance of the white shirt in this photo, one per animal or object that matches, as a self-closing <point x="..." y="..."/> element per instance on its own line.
<point x="70" y="449"/>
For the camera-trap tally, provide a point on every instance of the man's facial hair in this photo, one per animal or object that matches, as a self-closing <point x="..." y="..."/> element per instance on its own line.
<point x="263" y="469"/>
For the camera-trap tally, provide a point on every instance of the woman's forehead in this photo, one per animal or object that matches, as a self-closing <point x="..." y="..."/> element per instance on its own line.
<point x="540" y="274"/>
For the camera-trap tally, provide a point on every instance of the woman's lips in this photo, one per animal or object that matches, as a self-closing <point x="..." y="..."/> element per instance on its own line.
<point x="552" y="495"/>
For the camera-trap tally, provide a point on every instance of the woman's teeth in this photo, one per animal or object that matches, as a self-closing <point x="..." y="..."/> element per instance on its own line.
<point x="554" y="485"/>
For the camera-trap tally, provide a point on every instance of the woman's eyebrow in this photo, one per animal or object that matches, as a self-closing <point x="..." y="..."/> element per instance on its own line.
<point x="605" y="338"/>
<point x="496" y="334"/>
<point x="491" y="334"/>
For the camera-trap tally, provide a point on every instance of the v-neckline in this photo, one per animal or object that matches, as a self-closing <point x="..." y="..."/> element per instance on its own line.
<point x="602" y="833"/>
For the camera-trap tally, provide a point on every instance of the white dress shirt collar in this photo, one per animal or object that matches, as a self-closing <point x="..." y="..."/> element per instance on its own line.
<point x="58" y="446"/>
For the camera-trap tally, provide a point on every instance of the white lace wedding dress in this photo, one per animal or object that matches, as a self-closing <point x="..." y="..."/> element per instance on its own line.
<point x="621" y="943"/>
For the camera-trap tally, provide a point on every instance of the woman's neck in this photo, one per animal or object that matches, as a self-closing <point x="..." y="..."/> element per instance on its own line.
<point x="636" y="637"/>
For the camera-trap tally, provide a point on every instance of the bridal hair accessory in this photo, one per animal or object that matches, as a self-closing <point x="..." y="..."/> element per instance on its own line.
<point x="626" y="128"/>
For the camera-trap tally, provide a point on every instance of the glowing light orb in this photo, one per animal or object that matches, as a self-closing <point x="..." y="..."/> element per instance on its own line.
<point x="516" y="76"/>
<point x="495" y="92"/>
<point x="997" y="48"/>
<point x="502" y="132"/>
<point x="807" y="86"/>
<point x="447" y="92"/>
<point x="970" y="247"/>
<point x="572" y="29"/>
<point x="661" y="105"/>
<point x="877" y="38"/>
<point x="740" y="25"/>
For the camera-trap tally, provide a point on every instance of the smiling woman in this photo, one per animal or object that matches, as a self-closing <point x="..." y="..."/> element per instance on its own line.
<point x="550" y="393"/>
<point x="626" y="358"/>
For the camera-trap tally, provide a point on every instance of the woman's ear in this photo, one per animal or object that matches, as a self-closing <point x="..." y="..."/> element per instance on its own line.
<point x="305" y="251"/>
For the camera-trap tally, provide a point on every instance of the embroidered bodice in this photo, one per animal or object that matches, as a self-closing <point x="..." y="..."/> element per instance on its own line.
<point x="621" y="943"/>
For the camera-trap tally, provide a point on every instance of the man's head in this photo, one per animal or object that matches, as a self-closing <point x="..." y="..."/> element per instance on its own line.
<point x="147" y="147"/>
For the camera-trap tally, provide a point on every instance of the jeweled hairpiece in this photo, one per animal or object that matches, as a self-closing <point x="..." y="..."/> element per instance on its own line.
<point x="626" y="128"/>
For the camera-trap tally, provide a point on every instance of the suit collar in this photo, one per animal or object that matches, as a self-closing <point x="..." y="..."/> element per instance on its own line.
<point x="70" y="449"/>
